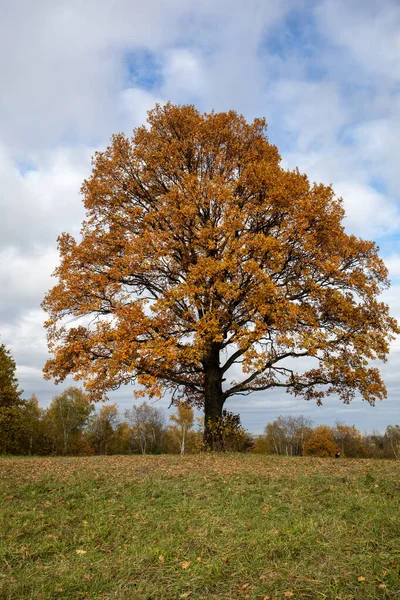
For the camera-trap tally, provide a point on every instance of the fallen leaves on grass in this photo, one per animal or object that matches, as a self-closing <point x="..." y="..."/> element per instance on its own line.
<point x="243" y="588"/>
<point x="186" y="564"/>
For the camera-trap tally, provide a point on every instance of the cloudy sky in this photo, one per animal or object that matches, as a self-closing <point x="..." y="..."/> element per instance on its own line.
<point x="325" y="74"/>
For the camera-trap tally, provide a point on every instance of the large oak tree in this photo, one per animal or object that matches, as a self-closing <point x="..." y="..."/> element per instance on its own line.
<point x="205" y="269"/>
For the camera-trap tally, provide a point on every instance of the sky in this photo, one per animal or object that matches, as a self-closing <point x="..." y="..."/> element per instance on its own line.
<point x="324" y="73"/>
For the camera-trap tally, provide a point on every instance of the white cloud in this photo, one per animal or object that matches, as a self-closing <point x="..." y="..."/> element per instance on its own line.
<point x="184" y="76"/>
<point x="314" y="112"/>
<point x="377" y="144"/>
<point x="39" y="204"/>
<point x="24" y="279"/>
<point x="134" y="105"/>
<point x="368" y="31"/>
<point x="392" y="262"/>
<point x="368" y="213"/>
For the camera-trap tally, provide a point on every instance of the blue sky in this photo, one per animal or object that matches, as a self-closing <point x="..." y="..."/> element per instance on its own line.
<point x="325" y="74"/>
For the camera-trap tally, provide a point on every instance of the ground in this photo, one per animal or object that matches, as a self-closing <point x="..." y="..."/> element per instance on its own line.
<point x="199" y="527"/>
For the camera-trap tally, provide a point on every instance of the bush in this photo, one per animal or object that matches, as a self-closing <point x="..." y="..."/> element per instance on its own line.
<point x="229" y="434"/>
<point x="320" y="443"/>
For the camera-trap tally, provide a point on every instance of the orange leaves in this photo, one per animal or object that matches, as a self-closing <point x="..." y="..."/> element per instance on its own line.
<point x="320" y="443"/>
<point x="196" y="238"/>
<point x="243" y="588"/>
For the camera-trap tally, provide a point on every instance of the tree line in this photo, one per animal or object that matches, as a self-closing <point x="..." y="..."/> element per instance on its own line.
<point x="297" y="436"/>
<point x="72" y="426"/>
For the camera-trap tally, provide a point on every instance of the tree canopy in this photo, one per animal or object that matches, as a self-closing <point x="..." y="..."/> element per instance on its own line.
<point x="10" y="395"/>
<point x="11" y="403"/>
<point x="205" y="269"/>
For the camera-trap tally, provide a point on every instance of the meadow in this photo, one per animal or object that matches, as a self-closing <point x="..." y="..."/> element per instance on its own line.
<point x="199" y="527"/>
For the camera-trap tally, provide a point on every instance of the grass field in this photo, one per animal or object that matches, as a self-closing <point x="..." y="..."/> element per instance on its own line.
<point x="201" y="527"/>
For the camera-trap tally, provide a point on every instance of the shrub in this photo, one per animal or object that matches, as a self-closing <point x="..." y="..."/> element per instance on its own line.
<point x="320" y="443"/>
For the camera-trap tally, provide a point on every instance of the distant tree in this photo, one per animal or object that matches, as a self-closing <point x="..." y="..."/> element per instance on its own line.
<point x="101" y="429"/>
<point x="11" y="404"/>
<point x="274" y="438"/>
<point x="184" y="421"/>
<point x="32" y="431"/>
<point x="349" y="440"/>
<point x="200" y="253"/>
<point x="392" y="438"/>
<point x="10" y="395"/>
<point x="148" y="428"/>
<point x="260" y="445"/>
<point x="320" y="443"/>
<point x="65" y="420"/>
<point x="123" y="435"/>
<point x="285" y="435"/>
<point x="375" y="445"/>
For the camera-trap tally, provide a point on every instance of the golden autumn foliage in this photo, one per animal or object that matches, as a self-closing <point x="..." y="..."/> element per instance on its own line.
<point x="183" y="424"/>
<point x="205" y="269"/>
<point x="321" y="443"/>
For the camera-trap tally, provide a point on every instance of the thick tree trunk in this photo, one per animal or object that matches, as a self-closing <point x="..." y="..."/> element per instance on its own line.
<point x="213" y="399"/>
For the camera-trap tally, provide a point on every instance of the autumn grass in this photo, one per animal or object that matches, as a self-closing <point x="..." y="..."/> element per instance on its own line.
<point x="203" y="527"/>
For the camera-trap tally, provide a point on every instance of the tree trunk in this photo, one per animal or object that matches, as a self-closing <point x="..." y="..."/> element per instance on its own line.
<point x="183" y="440"/>
<point x="213" y="399"/>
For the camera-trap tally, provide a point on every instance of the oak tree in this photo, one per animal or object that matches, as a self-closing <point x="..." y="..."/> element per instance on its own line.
<point x="205" y="270"/>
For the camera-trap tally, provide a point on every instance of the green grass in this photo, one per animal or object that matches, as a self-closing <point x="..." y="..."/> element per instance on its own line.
<point x="202" y="527"/>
